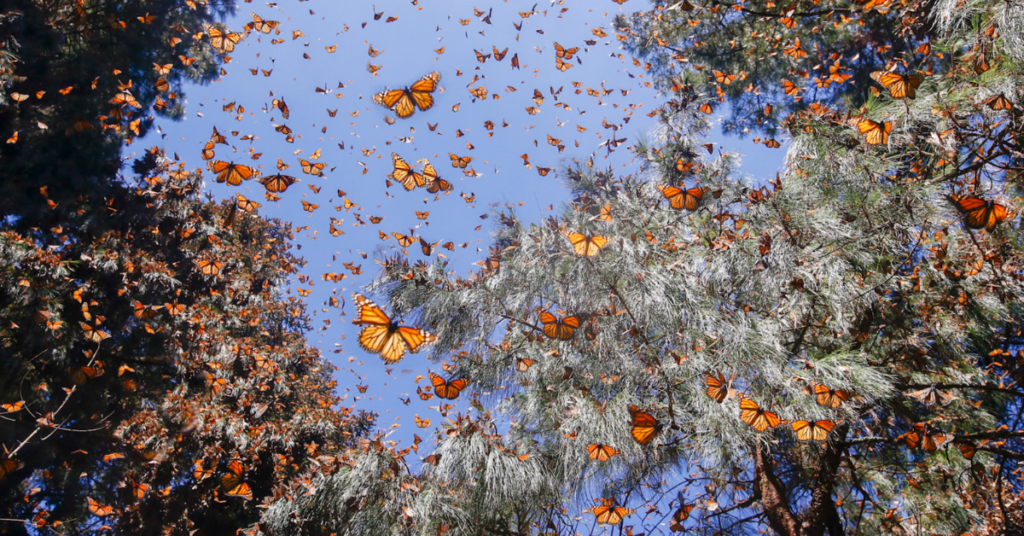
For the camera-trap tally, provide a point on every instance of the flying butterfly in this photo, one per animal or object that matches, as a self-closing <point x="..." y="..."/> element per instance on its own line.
<point x="680" y="198"/>
<point x="405" y="101"/>
<point x="231" y="172"/>
<point x="980" y="213"/>
<point x="278" y="183"/>
<point x="460" y="161"/>
<point x="223" y="41"/>
<point x="609" y="514"/>
<point x="404" y="173"/>
<point x="759" y="418"/>
<point x="384" y="336"/>
<point x="644" y="426"/>
<point x="565" y="53"/>
<point x="232" y="482"/>
<point x="900" y="86"/>
<point x="498" y="56"/>
<point x="559" y="328"/>
<point x="587" y="246"/>
<point x="447" y="389"/>
<point x="875" y="133"/>
<point x="434" y="182"/>
<point x="816" y="430"/>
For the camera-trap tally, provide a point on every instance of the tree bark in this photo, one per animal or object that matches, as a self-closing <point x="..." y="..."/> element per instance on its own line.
<point x="773" y="496"/>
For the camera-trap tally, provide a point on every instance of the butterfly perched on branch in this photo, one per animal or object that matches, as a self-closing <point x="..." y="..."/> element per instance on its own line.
<point x="980" y="213"/>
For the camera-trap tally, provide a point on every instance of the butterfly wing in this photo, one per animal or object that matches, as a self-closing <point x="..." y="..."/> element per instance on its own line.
<point x="675" y="196"/>
<point x="369" y="313"/>
<point x="567" y="327"/>
<point x="716" y="387"/>
<point x="415" y="337"/>
<point x="389" y="97"/>
<point x="645" y="427"/>
<point x="550" y="323"/>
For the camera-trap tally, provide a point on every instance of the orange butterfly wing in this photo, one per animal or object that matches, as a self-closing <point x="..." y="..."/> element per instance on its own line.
<point x="717" y="388"/>
<point x="645" y="427"/>
<point x="875" y="133"/>
<point x="447" y="389"/>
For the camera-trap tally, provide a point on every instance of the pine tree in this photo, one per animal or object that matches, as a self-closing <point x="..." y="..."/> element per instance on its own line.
<point x="832" y="351"/>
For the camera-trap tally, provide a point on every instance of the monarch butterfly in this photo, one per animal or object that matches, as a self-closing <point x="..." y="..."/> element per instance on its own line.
<point x="680" y="199"/>
<point x="79" y="375"/>
<point x="876" y="133"/>
<point x="980" y="213"/>
<point x="261" y="25"/>
<point x="479" y="93"/>
<point x="609" y="514"/>
<point x="900" y="86"/>
<point x="280" y="105"/>
<point x="559" y="328"/>
<point x="99" y="509"/>
<point x="760" y="419"/>
<point x="449" y="389"/>
<point x="232" y="481"/>
<point x="587" y="246"/>
<point x="208" y="152"/>
<point x="8" y="466"/>
<point x="231" y="173"/>
<point x="209" y="268"/>
<point x="403" y="240"/>
<point x="931" y="395"/>
<point x="498" y="56"/>
<point x="278" y="183"/>
<point x="999" y="102"/>
<point x="645" y="427"/>
<point x="481" y="57"/>
<point x="460" y="161"/>
<point x="405" y="101"/>
<point x="601" y="453"/>
<point x="404" y="174"/>
<point x="831" y="398"/>
<point x="562" y="65"/>
<point x="565" y="53"/>
<point x="434" y="181"/>
<point x="309" y="168"/>
<point x="223" y="41"/>
<point x="717" y="389"/>
<point x="384" y="336"/>
<point x="246" y="204"/>
<point x="922" y="436"/>
<point x="723" y="78"/>
<point x="92" y="334"/>
<point x="816" y="430"/>
<point x="706" y="108"/>
<point x="523" y="364"/>
<point x="967" y="449"/>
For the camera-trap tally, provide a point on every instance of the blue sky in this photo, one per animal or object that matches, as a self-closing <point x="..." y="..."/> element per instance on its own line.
<point x="410" y="46"/>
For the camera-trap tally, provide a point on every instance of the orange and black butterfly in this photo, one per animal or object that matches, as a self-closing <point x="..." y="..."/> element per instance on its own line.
<point x="980" y="213"/>
<point x="609" y="514"/>
<point x="209" y="267"/>
<point x="644" y="426"/>
<point x="80" y="375"/>
<point x="460" y="161"/>
<point x="523" y="364"/>
<point x="601" y="453"/>
<point x="559" y="328"/>
<point x="223" y="41"/>
<point x="900" y="86"/>
<point x="434" y="181"/>
<point x="260" y="25"/>
<point x="682" y="514"/>
<point x="680" y="198"/>
<point x="717" y="389"/>
<point x="405" y="101"/>
<point x="565" y="53"/>
<point x="98" y="509"/>
<point x="830" y="397"/>
<point x="278" y="183"/>
<point x="231" y="172"/>
<point x="498" y="56"/>
<point x="383" y="336"/>
<point x="759" y="418"/>
<point x="999" y="102"/>
<point x="587" y="246"/>
<point x="875" y="133"/>
<point x="924" y="437"/>
<point x="447" y="389"/>
<point x="310" y="168"/>
<point x="8" y="466"/>
<point x="232" y="482"/>
<point x="404" y="173"/>
<point x="816" y="430"/>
